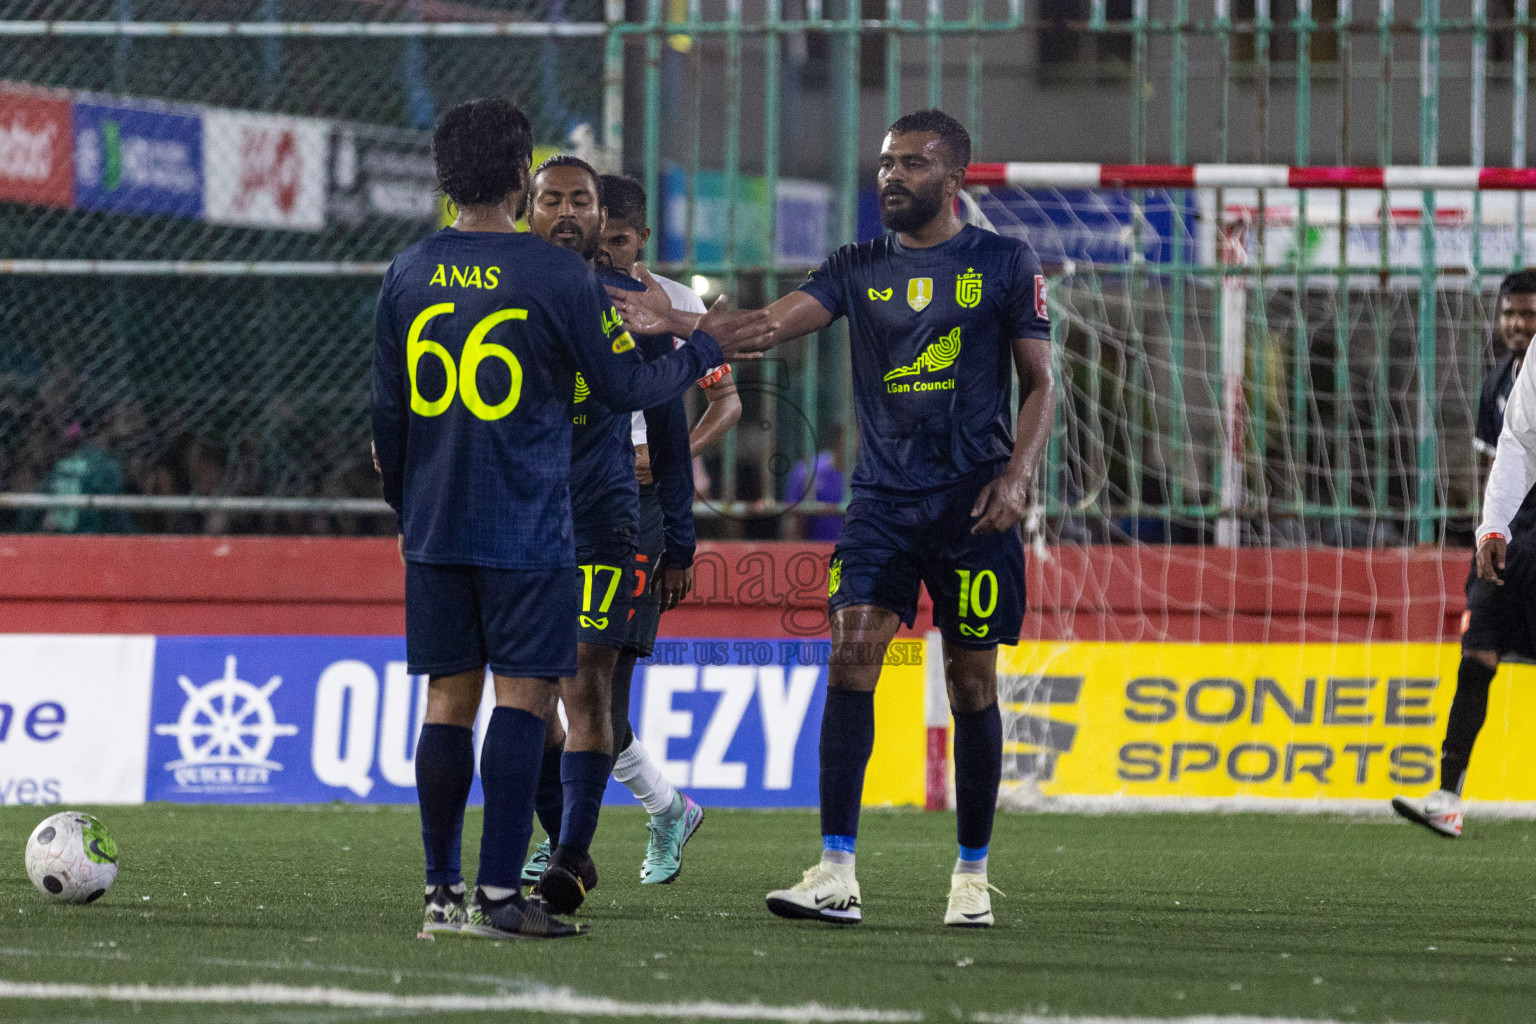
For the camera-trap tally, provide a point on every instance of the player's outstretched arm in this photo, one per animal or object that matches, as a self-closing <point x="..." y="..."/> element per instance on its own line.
<point x="1003" y="502"/>
<point x="652" y="312"/>
<point x="612" y="365"/>
<point x="738" y="332"/>
<point x="794" y="316"/>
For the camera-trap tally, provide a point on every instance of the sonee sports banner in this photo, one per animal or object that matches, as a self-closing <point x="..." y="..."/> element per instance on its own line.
<point x="121" y="719"/>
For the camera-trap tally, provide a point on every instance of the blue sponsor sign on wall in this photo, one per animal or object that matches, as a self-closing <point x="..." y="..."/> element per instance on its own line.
<point x="138" y="157"/>
<point x="315" y="719"/>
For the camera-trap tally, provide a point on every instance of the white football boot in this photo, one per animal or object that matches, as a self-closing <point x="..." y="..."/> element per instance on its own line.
<point x="828" y="892"/>
<point x="970" y="901"/>
<point x="1439" y="812"/>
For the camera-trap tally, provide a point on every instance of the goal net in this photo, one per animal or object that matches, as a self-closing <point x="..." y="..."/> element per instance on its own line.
<point x="1251" y="528"/>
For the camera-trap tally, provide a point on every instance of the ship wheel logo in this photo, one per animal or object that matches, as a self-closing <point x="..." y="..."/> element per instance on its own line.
<point x="226" y="721"/>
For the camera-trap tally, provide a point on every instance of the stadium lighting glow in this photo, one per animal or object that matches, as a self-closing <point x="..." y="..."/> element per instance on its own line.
<point x="700" y="284"/>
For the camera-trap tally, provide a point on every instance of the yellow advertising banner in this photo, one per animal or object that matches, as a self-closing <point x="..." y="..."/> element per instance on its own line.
<point x="1287" y="721"/>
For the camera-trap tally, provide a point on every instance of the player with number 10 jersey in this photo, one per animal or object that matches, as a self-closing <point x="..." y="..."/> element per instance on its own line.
<point x="943" y="317"/>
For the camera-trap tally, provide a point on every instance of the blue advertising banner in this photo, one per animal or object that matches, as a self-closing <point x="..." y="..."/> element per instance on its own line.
<point x="136" y="156"/>
<point x="316" y="719"/>
<point x="733" y="722"/>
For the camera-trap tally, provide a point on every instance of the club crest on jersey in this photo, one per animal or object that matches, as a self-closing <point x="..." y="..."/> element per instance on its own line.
<point x="1042" y="307"/>
<point x="880" y="294"/>
<point x="919" y="293"/>
<point x="623" y="343"/>
<point x="968" y="289"/>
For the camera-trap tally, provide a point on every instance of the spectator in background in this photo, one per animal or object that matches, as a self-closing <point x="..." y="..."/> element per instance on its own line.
<point x="819" y="479"/>
<point x="86" y="468"/>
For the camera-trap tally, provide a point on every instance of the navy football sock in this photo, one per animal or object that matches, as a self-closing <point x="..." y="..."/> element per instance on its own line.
<point x="978" y="770"/>
<point x="445" y="768"/>
<point x="847" y="738"/>
<point x="550" y="802"/>
<point x="509" y="770"/>
<point x="584" y="775"/>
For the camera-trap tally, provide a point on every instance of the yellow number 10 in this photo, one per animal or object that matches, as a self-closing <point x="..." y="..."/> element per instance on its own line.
<point x="461" y="378"/>
<point x="970" y="593"/>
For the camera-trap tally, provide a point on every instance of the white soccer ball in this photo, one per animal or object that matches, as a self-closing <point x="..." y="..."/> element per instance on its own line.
<point x="71" y="858"/>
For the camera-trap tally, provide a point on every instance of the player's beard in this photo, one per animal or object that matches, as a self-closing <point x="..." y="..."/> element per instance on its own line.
<point x="585" y="244"/>
<point x="921" y="207"/>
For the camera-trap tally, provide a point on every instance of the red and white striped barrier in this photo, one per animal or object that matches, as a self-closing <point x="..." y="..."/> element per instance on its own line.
<point x="1070" y="175"/>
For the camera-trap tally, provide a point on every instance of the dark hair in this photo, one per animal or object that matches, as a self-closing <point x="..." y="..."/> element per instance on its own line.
<point x="1521" y="282"/>
<point x="954" y="140"/>
<point x="625" y="199"/>
<point x="567" y="160"/>
<point x="482" y="150"/>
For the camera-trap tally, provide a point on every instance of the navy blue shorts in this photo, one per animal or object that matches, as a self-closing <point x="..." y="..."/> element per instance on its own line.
<point x="463" y="617"/>
<point x="645" y="601"/>
<point x="1503" y="619"/>
<point x="888" y="547"/>
<point x="605" y="584"/>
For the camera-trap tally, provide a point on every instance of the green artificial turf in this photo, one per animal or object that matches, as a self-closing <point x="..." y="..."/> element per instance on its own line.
<point x="1322" y="917"/>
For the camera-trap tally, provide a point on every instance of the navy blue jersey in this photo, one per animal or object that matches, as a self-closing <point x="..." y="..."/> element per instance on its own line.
<point x="604" y="496"/>
<point x="666" y="429"/>
<point x="478" y="340"/>
<point x="931" y="332"/>
<point x="1490" y="408"/>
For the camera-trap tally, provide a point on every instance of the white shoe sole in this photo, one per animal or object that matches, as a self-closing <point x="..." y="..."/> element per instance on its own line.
<point x="1407" y="810"/>
<point x="984" y="921"/>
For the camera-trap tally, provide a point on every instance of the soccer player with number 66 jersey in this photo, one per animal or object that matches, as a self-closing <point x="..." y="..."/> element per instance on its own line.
<point x="479" y="336"/>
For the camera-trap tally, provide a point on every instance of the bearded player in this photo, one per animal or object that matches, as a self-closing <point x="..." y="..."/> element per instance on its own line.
<point x="941" y="317"/>
<point x="565" y="207"/>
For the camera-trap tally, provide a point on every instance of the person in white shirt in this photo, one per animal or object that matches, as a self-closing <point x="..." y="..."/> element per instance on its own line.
<point x="674" y="816"/>
<point x="1501" y="606"/>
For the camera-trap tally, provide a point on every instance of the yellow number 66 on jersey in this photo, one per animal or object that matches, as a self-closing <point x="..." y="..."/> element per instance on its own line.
<point x="461" y="378"/>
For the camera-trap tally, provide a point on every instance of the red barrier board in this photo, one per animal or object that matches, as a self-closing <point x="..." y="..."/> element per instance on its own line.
<point x="36" y="147"/>
<point x="350" y="586"/>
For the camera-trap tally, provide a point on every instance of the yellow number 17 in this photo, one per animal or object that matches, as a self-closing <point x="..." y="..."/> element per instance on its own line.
<point x="588" y="572"/>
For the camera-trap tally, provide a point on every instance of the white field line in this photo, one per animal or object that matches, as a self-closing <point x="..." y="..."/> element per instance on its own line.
<point x="1030" y="1018"/>
<point x="561" y="1001"/>
<point x="554" y="1001"/>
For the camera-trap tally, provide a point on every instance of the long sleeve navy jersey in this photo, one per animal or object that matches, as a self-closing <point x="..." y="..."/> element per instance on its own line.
<point x="605" y="499"/>
<point x="666" y="427"/>
<point x="478" y="340"/>
<point x="931" y="332"/>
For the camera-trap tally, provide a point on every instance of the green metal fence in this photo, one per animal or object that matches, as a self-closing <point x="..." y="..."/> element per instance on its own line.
<point x="1359" y="407"/>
